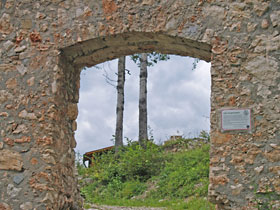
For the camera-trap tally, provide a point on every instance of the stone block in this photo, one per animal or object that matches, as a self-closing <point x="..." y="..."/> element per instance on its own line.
<point x="10" y="160"/>
<point x="18" y="179"/>
<point x="220" y="138"/>
<point x="4" y="206"/>
<point x="72" y="111"/>
<point x="26" y="24"/>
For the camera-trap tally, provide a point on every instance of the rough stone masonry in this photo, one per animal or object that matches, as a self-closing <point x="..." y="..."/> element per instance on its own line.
<point x="44" y="44"/>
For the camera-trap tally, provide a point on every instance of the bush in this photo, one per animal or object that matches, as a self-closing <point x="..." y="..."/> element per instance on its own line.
<point x="131" y="163"/>
<point x="166" y="178"/>
<point x="185" y="175"/>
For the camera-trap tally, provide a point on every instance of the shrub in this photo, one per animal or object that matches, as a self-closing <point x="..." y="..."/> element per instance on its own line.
<point x="166" y="178"/>
<point x="186" y="175"/>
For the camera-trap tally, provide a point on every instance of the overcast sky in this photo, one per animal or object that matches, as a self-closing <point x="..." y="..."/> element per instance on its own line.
<point x="178" y="102"/>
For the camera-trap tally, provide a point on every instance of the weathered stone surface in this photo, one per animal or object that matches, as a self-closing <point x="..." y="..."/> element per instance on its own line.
<point x="265" y="70"/>
<point x="13" y="191"/>
<point x="20" y="49"/>
<point x="24" y="114"/>
<point x="21" y="69"/>
<point x="72" y="111"/>
<point x="11" y="83"/>
<point x="236" y="190"/>
<point x="18" y="179"/>
<point x="273" y="156"/>
<point x="259" y="169"/>
<point x="31" y="81"/>
<point x="26" y="206"/>
<point x="44" y="45"/>
<point x="10" y="160"/>
<point x="5" y="96"/>
<point x="4" y="206"/>
<point x="20" y="129"/>
<point x="275" y="170"/>
<point x="220" y="138"/>
<point x="23" y="139"/>
<point x="275" y="17"/>
<point x="49" y="159"/>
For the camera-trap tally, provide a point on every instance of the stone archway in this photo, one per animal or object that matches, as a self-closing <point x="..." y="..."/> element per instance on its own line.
<point x="44" y="45"/>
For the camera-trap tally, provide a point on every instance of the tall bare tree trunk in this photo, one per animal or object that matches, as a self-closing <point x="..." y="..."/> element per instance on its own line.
<point x="143" y="119"/>
<point x="120" y="104"/>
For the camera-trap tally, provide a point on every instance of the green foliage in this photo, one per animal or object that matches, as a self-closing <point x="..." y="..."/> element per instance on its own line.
<point x="178" y="143"/>
<point x="195" y="62"/>
<point x="78" y="162"/>
<point x="265" y="200"/>
<point x="185" y="174"/>
<point x="204" y="135"/>
<point x="200" y="203"/>
<point x="153" y="58"/>
<point x="150" y="177"/>
<point x="131" y="163"/>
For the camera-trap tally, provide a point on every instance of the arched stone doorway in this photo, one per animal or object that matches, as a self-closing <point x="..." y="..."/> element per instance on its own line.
<point x="44" y="45"/>
<point x="95" y="51"/>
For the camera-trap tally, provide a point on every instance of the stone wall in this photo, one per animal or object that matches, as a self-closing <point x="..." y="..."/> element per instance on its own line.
<point x="45" y="44"/>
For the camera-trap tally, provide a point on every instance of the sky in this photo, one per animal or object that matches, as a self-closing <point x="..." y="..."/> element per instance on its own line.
<point x="178" y="102"/>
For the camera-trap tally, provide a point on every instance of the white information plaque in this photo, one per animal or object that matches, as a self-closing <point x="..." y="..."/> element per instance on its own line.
<point x="236" y="119"/>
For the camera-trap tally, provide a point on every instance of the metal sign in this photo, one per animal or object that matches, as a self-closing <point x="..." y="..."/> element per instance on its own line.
<point x="236" y="119"/>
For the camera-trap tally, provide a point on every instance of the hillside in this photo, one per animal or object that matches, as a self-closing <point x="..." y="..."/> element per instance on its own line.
<point x="174" y="175"/>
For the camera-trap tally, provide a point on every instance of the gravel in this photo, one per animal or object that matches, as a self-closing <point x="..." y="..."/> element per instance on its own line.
<point x="104" y="207"/>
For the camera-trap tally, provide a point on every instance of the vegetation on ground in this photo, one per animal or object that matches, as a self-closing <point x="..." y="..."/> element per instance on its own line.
<point x="155" y="176"/>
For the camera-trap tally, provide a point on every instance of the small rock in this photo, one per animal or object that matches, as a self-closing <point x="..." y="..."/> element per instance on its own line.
<point x="18" y="179"/>
<point x="261" y="8"/>
<point x="20" y="49"/>
<point x="26" y="206"/>
<point x="236" y="190"/>
<point x="24" y="139"/>
<point x="275" y="146"/>
<point x="8" y="45"/>
<point x="24" y="114"/>
<point x="11" y="83"/>
<point x="259" y="169"/>
<point x="265" y="24"/>
<point x="74" y="125"/>
<point x="20" y="129"/>
<point x="31" y="81"/>
<point x="26" y="24"/>
<point x="79" y="12"/>
<point x="10" y="160"/>
<point x="4" y="206"/>
<point x="251" y="27"/>
<point x="208" y="35"/>
<point x="274" y="17"/>
<point x="72" y="111"/>
<point x="1" y="145"/>
<point x="21" y="69"/>
<point x="49" y="159"/>
<point x="4" y="114"/>
<point x="54" y="87"/>
<point x="13" y="191"/>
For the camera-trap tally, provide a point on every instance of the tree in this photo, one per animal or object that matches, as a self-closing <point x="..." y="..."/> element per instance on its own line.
<point x="143" y="62"/>
<point x="143" y="114"/>
<point x="120" y="104"/>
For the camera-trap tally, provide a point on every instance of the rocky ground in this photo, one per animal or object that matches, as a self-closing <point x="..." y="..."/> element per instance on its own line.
<point x="103" y="207"/>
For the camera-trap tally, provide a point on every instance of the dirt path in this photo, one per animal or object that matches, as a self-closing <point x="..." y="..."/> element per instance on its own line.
<point x="103" y="207"/>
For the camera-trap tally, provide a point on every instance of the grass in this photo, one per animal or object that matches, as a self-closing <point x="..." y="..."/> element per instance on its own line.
<point x="154" y="177"/>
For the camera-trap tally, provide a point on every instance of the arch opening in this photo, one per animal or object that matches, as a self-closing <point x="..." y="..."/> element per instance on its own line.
<point x="92" y="52"/>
